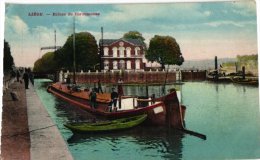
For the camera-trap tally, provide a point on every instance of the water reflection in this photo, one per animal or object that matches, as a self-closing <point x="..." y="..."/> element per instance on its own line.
<point x="152" y="142"/>
<point x="216" y="87"/>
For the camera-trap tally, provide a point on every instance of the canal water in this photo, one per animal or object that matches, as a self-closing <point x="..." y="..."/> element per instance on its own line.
<point x="227" y="113"/>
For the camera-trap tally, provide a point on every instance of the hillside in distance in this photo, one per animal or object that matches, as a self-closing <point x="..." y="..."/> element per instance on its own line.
<point x="203" y="64"/>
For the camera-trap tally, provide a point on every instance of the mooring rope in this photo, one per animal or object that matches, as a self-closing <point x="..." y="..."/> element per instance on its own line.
<point x="17" y="134"/>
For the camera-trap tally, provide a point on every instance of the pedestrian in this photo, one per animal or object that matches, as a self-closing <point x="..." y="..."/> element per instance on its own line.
<point x="93" y="98"/>
<point x="18" y="76"/>
<point x="31" y="76"/>
<point x="114" y="97"/>
<point x="99" y="87"/>
<point x="26" y="79"/>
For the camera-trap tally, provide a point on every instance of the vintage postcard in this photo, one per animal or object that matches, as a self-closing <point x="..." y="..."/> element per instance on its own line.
<point x="130" y="80"/>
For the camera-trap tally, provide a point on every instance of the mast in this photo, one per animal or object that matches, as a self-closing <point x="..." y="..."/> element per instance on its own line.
<point x="101" y="51"/>
<point x="74" y="54"/>
<point x="55" y="47"/>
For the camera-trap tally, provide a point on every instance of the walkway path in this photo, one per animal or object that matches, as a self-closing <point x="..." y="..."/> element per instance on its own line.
<point x="46" y="140"/>
<point x="27" y="129"/>
<point x="15" y="132"/>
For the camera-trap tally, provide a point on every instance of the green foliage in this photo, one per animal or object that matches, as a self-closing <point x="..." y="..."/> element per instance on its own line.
<point x="134" y="35"/>
<point x="164" y="50"/>
<point x="249" y="61"/>
<point x="247" y="58"/>
<point x="46" y="63"/>
<point x="8" y="58"/>
<point x="86" y="50"/>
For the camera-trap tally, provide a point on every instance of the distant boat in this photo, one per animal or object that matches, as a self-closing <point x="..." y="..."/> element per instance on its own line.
<point x="246" y="81"/>
<point x="107" y="126"/>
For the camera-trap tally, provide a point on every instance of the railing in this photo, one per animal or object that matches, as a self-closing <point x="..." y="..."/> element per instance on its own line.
<point x="140" y="77"/>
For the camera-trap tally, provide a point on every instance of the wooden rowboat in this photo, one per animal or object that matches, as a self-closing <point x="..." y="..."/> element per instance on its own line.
<point x="114" y="125"/>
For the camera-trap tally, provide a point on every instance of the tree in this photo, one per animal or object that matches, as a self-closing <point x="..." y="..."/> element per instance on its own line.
<point x="164" y="50"/>
<point x="86" y="52"/>
<point x="134" y="35"/>
<point x="8" y="58"/>
<point x="45" y="64"/>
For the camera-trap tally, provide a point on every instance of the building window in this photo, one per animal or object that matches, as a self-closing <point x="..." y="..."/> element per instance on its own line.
<point x="106" y="51"/>
<point x="122" y="64"/>
<point x="128" y="65"/>
<point x="137" y="64"/>
<point x="106" y="65"/>
<point x="114" y="52"/>
<point x="128" y="52"/>
<point x="114" y="64"/>
<point x="137" y="51"/>
<point x="121" y="52"/>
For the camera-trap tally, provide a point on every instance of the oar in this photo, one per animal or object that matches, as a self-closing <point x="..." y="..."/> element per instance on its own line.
<point x="193" y="133"/>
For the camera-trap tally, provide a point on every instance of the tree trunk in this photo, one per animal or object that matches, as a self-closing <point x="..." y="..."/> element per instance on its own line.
<point x="163" y="66"/>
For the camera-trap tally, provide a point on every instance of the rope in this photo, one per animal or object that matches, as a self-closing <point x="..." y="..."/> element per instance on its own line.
<point x="17" y="134"/>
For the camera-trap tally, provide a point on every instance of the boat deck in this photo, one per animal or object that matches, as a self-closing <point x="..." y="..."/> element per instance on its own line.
<point x="125" y="103"/>
<point x="101" y="97"/>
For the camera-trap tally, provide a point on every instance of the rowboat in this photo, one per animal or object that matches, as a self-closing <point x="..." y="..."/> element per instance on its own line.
<point x="160" y="111"/>
<point x="245" y="81"/>
<point x="108" y="126"/>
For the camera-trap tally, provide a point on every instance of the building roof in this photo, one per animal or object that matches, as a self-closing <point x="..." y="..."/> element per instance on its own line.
<point x="135" y="42"/>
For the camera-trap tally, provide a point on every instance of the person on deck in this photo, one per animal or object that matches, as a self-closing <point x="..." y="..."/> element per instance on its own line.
<point x="95" y="87"/>
<point x="99" y="87"/>
<point x="114" y="97"/>
<point x="120" y="87"/>
<point x="110" y="104"/>
<point x="93" y="98"/>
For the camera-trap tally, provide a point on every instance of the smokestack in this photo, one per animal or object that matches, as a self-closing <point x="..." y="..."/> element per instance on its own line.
<point x="216" y="62"/>
<point x="243" y="72"/>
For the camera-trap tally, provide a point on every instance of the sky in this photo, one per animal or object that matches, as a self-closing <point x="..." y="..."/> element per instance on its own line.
<point x="202" y="29"/>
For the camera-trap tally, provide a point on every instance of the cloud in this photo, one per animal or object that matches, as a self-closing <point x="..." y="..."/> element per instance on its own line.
<point x="245" y="8"/>
<point x="132" y="12"/>
<point x="219" y="23"/>
<point x="233" y="23"/>
<point x="207" y="13"/>
<point x="16" y="25"/>
<point x="26" y="42"/>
